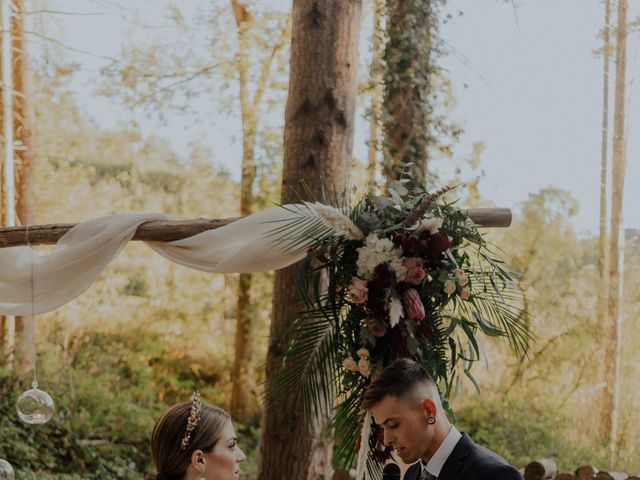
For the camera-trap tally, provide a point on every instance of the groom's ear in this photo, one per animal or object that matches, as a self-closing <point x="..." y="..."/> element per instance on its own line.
<point x="428" y="407"/>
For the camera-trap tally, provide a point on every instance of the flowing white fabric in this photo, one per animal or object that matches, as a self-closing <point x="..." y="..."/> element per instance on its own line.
<point x="363" y="455"/>
<point x="246" y="245"/>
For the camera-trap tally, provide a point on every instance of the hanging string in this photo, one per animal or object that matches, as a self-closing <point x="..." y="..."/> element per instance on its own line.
<point x="34" y="383"/>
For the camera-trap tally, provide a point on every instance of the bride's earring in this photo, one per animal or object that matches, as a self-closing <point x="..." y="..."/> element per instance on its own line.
<point x="202" y="474"/>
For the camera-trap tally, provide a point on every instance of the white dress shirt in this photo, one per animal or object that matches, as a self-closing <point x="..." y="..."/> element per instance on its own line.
<point x="435" y="464"/>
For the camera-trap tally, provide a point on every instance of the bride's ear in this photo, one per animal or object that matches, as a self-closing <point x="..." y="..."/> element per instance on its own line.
<point x="198" y="460"/>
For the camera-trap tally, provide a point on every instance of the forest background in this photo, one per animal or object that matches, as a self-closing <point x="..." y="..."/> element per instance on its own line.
<point x="114" y="132"/>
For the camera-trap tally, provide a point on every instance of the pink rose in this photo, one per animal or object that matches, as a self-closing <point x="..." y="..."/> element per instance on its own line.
<point x="376" y="329"/>
<point x="465" y="293"/>
<point x="413" y="305"/>
<point x="363" y="353"/>
<point x="449" y="287"/>
<point x="364" y="367"/>
<point x="462" y="280"/>
<point x="350" y="364"/>
<point x="358" y="290"/>
<point x="415" y="271"/>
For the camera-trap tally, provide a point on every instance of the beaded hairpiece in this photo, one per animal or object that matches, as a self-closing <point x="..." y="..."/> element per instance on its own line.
<point x="194" y="417"/>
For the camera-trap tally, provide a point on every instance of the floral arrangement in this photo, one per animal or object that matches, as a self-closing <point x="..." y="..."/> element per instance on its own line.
<point x="398" y="276"/>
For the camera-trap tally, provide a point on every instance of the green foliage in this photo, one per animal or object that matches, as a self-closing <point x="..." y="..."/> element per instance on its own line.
<point x="521" y="432"/>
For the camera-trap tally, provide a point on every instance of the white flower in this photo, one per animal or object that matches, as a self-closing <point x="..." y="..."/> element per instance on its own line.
<point x="336" y="220"/>
<point x="374" y="252"/>
<point x="400" y="270"/>
<point x="430" y="224"/>
<point x="396" y="312"/>
<point x="363" y="353"/>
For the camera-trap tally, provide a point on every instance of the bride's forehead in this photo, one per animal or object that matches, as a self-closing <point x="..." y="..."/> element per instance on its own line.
<point x="228" y="431"/>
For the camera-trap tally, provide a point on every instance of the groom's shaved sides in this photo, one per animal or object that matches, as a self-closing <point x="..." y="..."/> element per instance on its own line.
<point x="403" y="379"/>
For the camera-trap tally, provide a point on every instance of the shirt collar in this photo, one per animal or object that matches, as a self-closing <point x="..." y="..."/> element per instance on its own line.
<point x="435" y="464"/>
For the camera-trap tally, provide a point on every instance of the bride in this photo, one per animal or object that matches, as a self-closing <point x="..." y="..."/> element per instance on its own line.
<point x="195" y="441"/>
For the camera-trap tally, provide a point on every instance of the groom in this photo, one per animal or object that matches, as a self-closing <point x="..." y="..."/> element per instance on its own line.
<point x="406" y="404"/>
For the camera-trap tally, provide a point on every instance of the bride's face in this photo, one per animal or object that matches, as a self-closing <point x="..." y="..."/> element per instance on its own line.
<point x="223" y="462"/>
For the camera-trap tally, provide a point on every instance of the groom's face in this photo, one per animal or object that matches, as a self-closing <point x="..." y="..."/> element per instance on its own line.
<point x="404" y="422"/>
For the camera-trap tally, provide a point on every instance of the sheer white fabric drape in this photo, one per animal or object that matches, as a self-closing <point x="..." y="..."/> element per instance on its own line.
<point x="84" y="252"/>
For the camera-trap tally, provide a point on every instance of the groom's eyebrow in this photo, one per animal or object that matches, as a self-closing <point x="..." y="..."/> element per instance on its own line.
<point x="388" y="420"/>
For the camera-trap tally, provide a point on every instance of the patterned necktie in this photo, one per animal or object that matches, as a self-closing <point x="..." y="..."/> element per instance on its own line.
<point x="426" y="475"/>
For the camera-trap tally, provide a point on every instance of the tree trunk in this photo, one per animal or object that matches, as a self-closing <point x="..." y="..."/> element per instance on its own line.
<point x="318" y="141"/>
<point x="376" y="96"/>
<point x="8" y="154"/>
<point x="617" y="186"/>
<point x="406" y="83"/>
<point x="602" y="239"/>
<point x="24" y="118"/>
<point x="243" y="403"/>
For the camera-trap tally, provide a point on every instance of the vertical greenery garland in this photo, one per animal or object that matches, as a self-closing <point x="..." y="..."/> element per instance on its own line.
<point x="416" y="92"/>
<point x="407" y="70"/>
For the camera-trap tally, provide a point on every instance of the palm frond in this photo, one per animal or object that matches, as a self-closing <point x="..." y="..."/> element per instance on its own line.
<point x="309" y="367"/>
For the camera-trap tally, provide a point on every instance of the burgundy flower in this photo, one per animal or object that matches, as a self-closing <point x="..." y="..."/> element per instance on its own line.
<point x="396" y="237"/>
<point x="438" y="244"/>
<point x="383" y="274"/>
<point x="411" y="245"/>
<point x="413" y="305"/>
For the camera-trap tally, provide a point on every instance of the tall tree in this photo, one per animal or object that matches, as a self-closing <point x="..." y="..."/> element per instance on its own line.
<point x="407" y="58"/>
<point x="318" y="141"/>
<point x="602" y="239"/>
<point x="23" y="136"/>
<point x="611" y="337"/>
<point x="8" y="153"/>
<point x="376" y="95"/>
<point x="246" y="55"/>
<point x="244" y="406"/>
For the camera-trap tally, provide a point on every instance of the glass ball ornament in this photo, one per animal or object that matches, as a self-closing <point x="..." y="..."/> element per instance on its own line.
<point x="35" y="406"/>
<point x="6" y="471"/>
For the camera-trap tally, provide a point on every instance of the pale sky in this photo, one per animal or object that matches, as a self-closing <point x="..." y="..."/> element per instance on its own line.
<point x="527" y="82"/>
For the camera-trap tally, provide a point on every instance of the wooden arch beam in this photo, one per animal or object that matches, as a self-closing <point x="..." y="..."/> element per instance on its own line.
<point x="168" y="230"/>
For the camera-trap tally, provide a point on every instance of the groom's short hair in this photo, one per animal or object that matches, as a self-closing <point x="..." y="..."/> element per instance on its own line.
<point x="398" y="379"/>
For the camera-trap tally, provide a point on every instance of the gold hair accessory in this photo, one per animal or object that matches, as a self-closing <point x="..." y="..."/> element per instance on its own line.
<point x="194" y="417"/>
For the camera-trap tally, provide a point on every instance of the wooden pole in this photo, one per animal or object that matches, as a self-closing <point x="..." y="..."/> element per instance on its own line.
<point x="168" y="230"/>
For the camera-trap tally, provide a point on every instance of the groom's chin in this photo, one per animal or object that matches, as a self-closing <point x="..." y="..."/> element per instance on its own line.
<point x="406" y="457"/>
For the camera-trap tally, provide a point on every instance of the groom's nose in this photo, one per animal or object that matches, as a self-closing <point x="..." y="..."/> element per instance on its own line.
<point x="387" y="438"/>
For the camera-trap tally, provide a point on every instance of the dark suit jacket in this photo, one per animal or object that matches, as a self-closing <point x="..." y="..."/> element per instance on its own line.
<point x="470" y="461"/>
